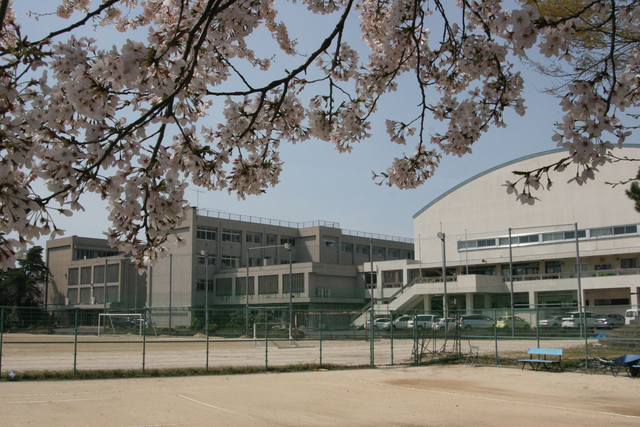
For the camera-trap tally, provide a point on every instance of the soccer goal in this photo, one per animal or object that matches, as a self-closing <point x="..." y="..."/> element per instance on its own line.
<point x="120" y="323"/>
<point x="276" y="330"/>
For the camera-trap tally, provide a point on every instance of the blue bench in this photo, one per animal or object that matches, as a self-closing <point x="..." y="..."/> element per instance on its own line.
<point x="547" y="363"/>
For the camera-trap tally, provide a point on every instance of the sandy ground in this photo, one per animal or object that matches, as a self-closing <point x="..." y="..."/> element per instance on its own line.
<point x="399" y="396"/>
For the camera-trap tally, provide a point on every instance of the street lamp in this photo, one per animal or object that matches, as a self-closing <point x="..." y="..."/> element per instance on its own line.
<point x="287" y="246"/>
<point x="205" y="254"/>
<point x="445" y="304"/>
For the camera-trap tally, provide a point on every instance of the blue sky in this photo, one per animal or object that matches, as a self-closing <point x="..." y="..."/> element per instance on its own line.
<point x="318" y="183"/>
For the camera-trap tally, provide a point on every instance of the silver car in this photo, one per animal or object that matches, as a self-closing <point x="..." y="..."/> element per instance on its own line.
<point x="609" y="321"/>
<point x="552" y="322"/>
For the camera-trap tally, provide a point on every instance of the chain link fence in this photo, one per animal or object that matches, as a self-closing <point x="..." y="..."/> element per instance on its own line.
<point x="155" y="338"/>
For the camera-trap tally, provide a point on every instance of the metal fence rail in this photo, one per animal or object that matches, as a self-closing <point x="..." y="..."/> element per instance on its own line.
<point x="156" y="338"/>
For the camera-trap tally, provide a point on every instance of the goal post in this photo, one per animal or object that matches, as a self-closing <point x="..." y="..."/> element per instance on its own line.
<point x="118" y="322"/>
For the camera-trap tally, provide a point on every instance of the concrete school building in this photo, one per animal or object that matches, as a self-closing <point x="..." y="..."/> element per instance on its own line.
<point x="222" y="253"/>
<point x="468" y="228"/>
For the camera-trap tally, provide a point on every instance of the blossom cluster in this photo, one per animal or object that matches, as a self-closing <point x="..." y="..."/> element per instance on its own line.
<point x="132" y="122"/>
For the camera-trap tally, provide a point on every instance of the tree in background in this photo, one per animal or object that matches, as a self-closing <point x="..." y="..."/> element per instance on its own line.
<point x="23" y="286"/>
<point x="132" y="122"/>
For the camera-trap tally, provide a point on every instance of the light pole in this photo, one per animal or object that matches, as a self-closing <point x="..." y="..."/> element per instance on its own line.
<point x="445" y="304"/>
<point x="288" y="247"/>
<point x="205" y="254"/>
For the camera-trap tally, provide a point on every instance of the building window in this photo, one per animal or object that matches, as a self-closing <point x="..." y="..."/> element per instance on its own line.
<point x="200" y="285"/>
<point x="255" y="262"/>
<point x="85" y="276"/>
<point x="232" y="236"/>
<point x="85" y="295"/>
<point x="288" y="240"/>
<point x="241" y="288"/>
<point x="298" y="283"/>
<point x="73" y="277"/>
<point x="267" y="285"/>
<point x="629" y="263"/>
<point x="254" y="237"/>
<point x="200" y="260"/>
<point x="113" y="273"/>
<point x="347" y="248"/>
<point x="272" y="239"/>
<point x="407" y="255"/>
<point x="486" y="242"/>
<point x="230" y="261"/>
<point x="393" y="253"/>
<point x="72" y="295"/>
<point x="329" y="243"/>
<point x="551" y="267"/>
<point x="377" y="251"/>
<point x="362" y="249"/>
<point x="206" y="233"/>
<point x="98" y="274"/>
<point x="224" y="287"/>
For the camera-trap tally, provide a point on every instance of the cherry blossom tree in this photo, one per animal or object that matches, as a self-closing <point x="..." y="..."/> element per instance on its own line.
<point x="132" y="122"/>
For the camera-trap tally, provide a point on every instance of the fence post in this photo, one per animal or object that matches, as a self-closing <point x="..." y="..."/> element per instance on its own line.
<point x="391" y="333"/>
<point x="371" y="358"/>
<point x="206" y="319"/>
<point x="75" y="341"/>
<point x="538" y="327"/>
<point x="320" y="337"/>
<point x="495" y="331"/>
<point x="586" y="339"/>
<point x="144" y="336"/>
<point x="415" y="337"/>
<point x="1" y="334"/>
<point x="266" y="341"/>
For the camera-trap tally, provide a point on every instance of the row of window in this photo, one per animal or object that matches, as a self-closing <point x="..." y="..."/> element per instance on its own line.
<point x="347" y="248"/>
<point x="235" y="236"/>
<point x="267" y="285"/>
<point x="91" y="254"/>
<point x="83" y="275"/>
<point x="547" y="237"/>
<point x="550" y="267"/>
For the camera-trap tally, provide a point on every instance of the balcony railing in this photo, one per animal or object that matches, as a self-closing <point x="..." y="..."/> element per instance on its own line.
<point x="573" y="275"/>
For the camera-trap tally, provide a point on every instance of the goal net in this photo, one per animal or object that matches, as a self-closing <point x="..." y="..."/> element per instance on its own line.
<point x="121" y="323"/>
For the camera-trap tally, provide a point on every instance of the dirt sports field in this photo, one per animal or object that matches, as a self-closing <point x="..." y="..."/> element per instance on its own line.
<point x="398" y="396"/>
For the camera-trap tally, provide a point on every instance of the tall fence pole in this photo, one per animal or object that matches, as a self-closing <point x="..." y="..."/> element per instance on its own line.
<point x="206" y="319"/>
<point x="144" y="336"/>
<point x="75" y="341"/>
<point x="495" y="332"/>
<point x="371" y="358"/>
<point x="266" y="341"/>
<point x="1" y="334"/>
<point x="320" y="337"/>
<point x="391" y="333"/>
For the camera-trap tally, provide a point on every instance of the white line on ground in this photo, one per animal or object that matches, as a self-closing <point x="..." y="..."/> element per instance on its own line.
<point x="502" y="400"/>
<point x="216" y="407"/>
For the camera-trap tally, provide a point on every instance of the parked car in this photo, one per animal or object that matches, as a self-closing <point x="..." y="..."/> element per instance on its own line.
<point x="609" y="321"/>
<point x="630" y="315"/>
<point x="377" y="323"/>
<point x="423" y="321"/>
<point x="572" y="320"/>
<point x="400" y="323"/>
<point x="469" y="321"/>
<point x="552" y="322"/>
<point x="440" y="323"/>
<point x="505" y="322"/>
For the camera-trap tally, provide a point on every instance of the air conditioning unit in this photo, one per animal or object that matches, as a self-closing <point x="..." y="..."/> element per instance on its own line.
<point x="66" y="301"/>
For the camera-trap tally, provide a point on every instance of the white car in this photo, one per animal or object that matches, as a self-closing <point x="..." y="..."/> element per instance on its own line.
<point x="572" y="320"/>
<point x="439" y="325"/>
<point x="552" y="322"/>
<point x="377" y="323"/>
<point x="423" y="321"/>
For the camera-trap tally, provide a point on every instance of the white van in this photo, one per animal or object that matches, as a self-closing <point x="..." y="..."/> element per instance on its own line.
<point x="630" y="315"/>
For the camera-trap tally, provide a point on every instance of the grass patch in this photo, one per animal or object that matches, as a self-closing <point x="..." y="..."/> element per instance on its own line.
<point x="100" y="374"/>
